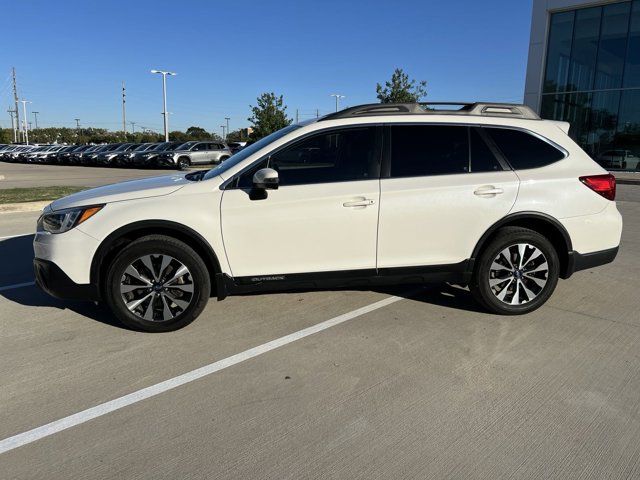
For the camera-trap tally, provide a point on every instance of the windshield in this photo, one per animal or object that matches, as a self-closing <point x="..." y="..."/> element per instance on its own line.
<point x="142" y="147"/>
<point x="248" y="151"/>
<point x="123" y="147"/>
<point x="186" y="146"/>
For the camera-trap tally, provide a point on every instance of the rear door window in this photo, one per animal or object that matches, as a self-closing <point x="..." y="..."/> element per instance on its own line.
<point x="422" y="150"/>
<point x="524" y="150"/>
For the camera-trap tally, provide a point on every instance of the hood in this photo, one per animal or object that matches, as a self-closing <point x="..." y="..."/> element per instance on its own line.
<point x="130" y="190"/>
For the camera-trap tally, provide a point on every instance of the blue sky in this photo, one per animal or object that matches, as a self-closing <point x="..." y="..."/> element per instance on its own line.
<point x="71" y="56"/>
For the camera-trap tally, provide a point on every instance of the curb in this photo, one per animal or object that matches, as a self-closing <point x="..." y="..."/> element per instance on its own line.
<point x="23" y="207"/>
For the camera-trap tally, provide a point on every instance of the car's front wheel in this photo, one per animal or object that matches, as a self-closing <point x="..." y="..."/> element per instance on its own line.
<point x="157" y="284"/>
<point x="183" y="163"/>
<point x="516" y="273"/>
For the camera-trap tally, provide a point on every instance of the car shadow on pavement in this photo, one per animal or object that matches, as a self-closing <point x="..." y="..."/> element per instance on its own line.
<point x="444" y="295"/>
<point x="17" y="257"/>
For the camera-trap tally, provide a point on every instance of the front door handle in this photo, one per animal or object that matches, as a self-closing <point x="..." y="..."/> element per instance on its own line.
<point x="365" y="202"/>
<point x="488" y="190"/>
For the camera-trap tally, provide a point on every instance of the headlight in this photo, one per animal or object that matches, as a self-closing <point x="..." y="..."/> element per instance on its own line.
<point x="64" y="220"/>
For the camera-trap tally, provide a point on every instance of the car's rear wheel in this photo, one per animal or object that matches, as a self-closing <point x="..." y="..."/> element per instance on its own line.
<point x="157" y="284"/>
<point x="516" y="273"/>
<point x="183" y="163"/>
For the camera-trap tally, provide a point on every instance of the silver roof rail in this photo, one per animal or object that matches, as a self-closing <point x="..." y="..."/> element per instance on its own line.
<point x="485" y="109"/>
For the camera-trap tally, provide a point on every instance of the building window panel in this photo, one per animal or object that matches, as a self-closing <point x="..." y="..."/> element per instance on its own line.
<point x="632" y="67"/>
<point x="558" y="52"/>
<point x="613" y="46"/>
<point x="584" y="50"/>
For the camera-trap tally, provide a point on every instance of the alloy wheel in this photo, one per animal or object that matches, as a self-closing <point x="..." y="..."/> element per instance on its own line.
<point x="518" y="274"/>
<point x="157" y="287"/>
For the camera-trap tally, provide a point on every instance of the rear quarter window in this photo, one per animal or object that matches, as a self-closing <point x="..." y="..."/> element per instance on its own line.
<point x="524" y="150"/>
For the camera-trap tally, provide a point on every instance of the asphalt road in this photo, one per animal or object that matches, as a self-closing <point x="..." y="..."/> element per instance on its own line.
<point x="425" y="387"/>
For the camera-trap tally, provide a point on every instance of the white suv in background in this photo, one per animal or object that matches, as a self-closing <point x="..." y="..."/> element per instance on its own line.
<point x="485" y="195"/>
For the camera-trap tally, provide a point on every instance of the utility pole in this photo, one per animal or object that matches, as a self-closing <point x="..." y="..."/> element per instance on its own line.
<point x="24" y="115"/>
<point x="227" y="119"/>
<point x="317" y="113"/>
<point x="13" y="127"/>
<point x="222" y="127"/>
<point x="297" y="116"/>
<point x="15" y="99"/>
<point x="133" y="127"/>
<point x="124" y="111"/>
<point x="164" y="101"/>
<point x="338" y="97"/>
<point x="77" y="128"/>
<point x="35" y="114"/>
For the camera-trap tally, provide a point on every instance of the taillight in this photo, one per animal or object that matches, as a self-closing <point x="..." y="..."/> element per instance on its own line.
<point x="604" y="185"/>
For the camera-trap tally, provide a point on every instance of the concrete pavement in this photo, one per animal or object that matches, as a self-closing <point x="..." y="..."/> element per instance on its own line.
<point x="427" y="387"/>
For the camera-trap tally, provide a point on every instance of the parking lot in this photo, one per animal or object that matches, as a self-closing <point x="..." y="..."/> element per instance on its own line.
<point x="395" y="383"/>
<point x="17" y="175"/>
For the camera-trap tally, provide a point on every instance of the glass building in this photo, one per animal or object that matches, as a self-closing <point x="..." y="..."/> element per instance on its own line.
<point x="588" y="74"/>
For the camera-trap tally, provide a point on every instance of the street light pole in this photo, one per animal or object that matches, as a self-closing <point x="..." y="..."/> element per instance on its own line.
<point x="164" y="100"/>
<point x="222" y="127"/>
<point x="227" y="119"/>
<point x="24" y="115"/>
<point x="338" y="97"/>
<point x="35" y="114"/>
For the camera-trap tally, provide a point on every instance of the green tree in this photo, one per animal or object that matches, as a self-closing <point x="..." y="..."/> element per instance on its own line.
<point x="197" y="133"/>
<point x="268" y="116"/>
<point x="401" y="89"/>
<point x="178" y="136"/>
<point x="6" y="135"/>
<point x="237" y="136"/>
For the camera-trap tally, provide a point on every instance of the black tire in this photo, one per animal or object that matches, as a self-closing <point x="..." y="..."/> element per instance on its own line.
<point x="157" y="245"/>
<point x="222" y="159"/>
<point x="183" y="163"/>
<point x="480" y="283"/>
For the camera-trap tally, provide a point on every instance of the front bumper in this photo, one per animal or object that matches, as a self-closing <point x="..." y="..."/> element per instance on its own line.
<point x="51" y="279"/>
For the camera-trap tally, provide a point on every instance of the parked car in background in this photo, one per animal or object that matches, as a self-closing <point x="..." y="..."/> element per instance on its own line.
<point x="194" y="153"/>
<point x="37" y="154"/>
<point x="130" y="158"/>
<point x="77" y="157"/>
<point x="619" y="159"/>
<point x="92" y="158"/>
<point x="63" y="156"/>
<point x="52" y="157"/>
<point x="111" y="156"/>
<point x="148" y="158"/>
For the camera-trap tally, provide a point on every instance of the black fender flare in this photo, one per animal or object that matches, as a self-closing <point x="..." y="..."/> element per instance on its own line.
<point x="167" y="227"/>
<point x="519" y="217"/>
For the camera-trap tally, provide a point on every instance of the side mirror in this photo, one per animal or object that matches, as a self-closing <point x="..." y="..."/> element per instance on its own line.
<point x="266" y="179"/>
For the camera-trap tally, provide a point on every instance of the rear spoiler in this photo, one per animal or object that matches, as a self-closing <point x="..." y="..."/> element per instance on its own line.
<point x="564" y="126"/>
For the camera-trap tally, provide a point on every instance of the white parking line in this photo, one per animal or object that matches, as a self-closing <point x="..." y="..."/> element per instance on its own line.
<point x="16" y="285"/>
<point x="56" y="426"/>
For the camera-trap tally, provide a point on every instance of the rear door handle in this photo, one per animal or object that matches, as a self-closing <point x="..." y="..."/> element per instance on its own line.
<point x="488" y="190"/>
<point x="359" y="203"/>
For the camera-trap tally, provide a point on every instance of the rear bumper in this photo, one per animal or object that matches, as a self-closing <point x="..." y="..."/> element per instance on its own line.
<point x="583" y="261"/>
<point x="51" y="279"/>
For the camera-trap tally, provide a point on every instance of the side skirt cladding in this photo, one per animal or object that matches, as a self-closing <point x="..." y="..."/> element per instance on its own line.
<point x="455" y="273"/>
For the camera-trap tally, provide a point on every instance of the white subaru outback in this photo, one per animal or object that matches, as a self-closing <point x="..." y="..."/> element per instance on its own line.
<point x="484" y="195"/>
